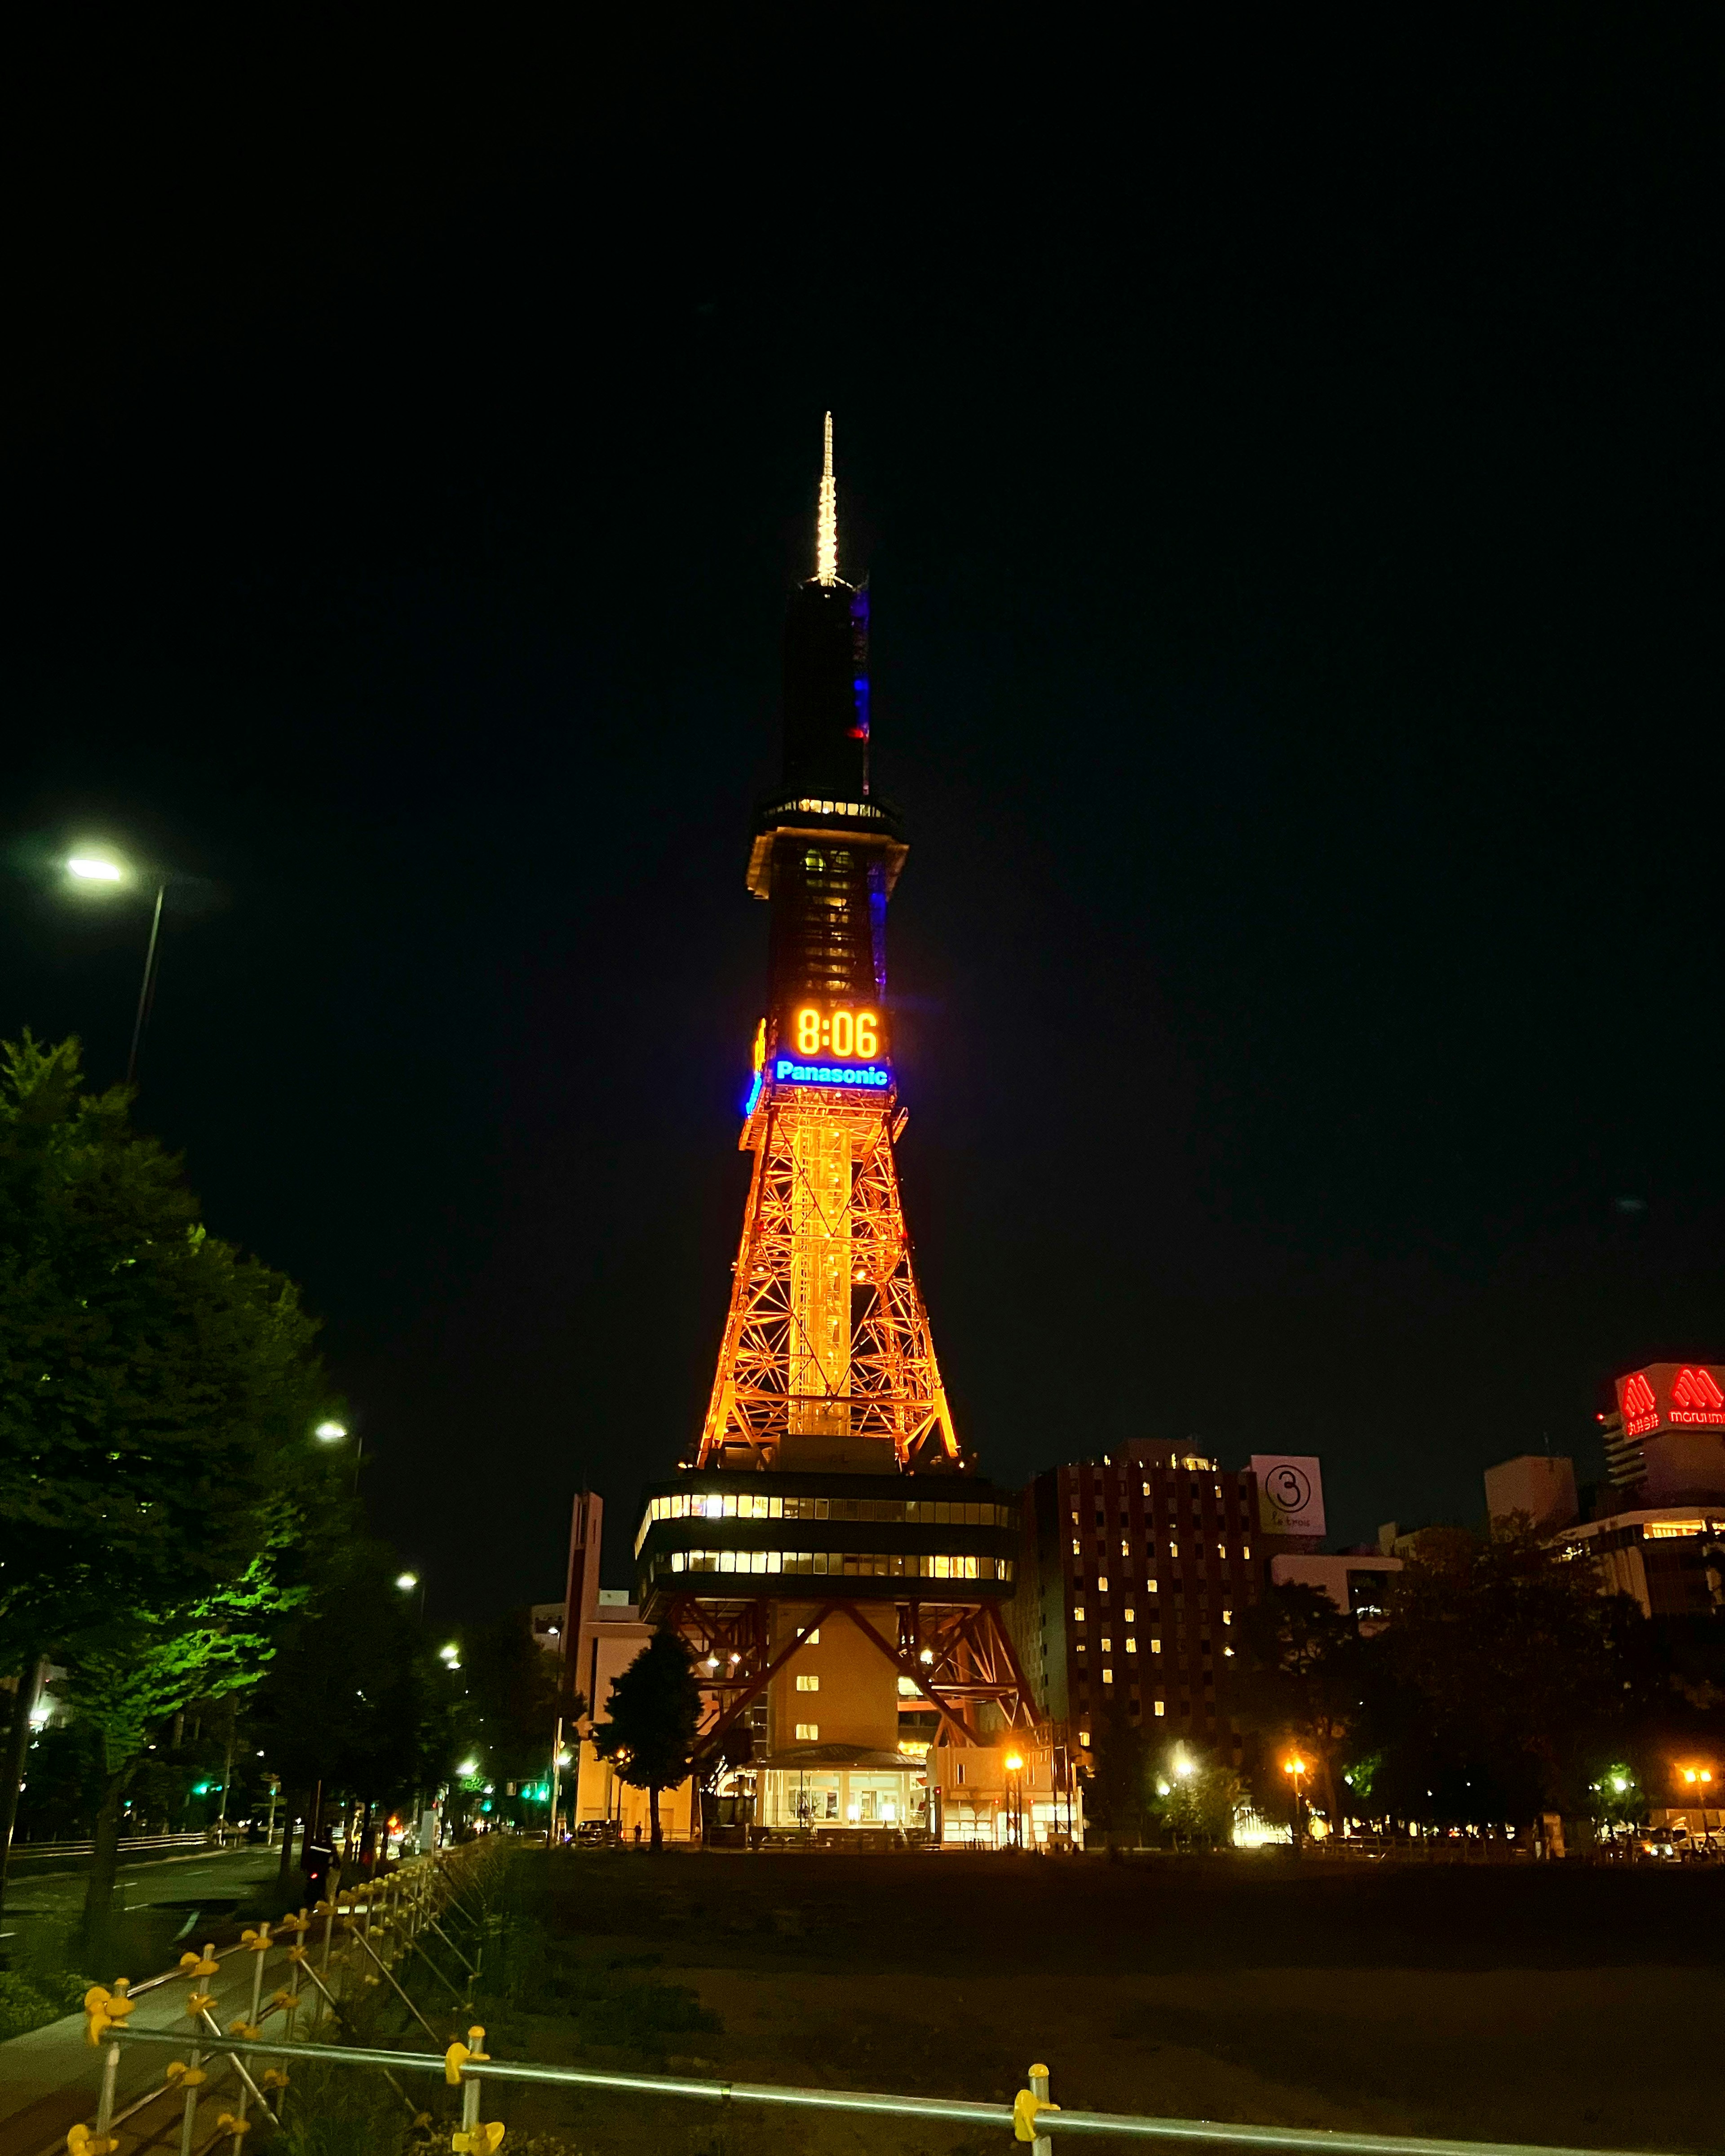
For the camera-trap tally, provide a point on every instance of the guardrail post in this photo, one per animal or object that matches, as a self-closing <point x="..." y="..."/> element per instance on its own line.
<point x="105" y="2102"/>
<point x="1030" y="2104"/>
<point x="1042" y="2145"/>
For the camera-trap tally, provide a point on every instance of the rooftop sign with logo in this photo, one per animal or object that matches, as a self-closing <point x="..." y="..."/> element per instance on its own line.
<point x="1673" y="1396"/>
<point x="1290" y="1494"/>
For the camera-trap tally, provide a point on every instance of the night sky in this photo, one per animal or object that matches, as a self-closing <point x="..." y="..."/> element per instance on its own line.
<point x="1281" y="474"/>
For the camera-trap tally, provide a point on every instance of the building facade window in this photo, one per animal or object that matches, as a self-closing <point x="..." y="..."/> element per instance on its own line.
<point x="809" y="1733"/>
<point x="807" y="1684"/>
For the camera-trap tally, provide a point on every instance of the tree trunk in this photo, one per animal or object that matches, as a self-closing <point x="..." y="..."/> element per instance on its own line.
<point x="32" y="1671"/>
<point x="104" y="1861"/>
<point x="657" y="1837"/>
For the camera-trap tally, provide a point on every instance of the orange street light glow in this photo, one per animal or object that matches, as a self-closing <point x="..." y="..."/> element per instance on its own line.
<point x="1014" y="1762"/>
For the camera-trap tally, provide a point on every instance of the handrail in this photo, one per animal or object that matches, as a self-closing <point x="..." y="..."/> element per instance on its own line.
<point x="1317" y="2141"/>
<point x="397" y="1903"/>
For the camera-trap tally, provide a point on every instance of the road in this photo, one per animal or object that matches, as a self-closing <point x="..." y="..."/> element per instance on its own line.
<point x="48" y="2078"/>
<point x="221" y="1876"/>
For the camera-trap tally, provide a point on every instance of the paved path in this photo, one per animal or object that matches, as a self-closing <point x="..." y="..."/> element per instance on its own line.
<point x="49" y="2079"/>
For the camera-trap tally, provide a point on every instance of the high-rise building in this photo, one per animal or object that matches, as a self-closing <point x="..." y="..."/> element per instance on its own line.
<point x="1135" y="1568"/>
<point x="828" y="1548"/>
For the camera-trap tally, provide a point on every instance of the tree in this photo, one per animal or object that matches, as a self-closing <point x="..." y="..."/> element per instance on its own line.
<point x="155" y="1389"/>
<point x="1513" y="1677"/>
<point x="126" y="1679"/>
<point x="1199" y="1805"/>
<point x="351" y="1704"/>
<point x="655" y="1709"/>
<point x="509" y="1715"/>
<point x="1299" y="1676"/>
<point x="1118" y="1795"/>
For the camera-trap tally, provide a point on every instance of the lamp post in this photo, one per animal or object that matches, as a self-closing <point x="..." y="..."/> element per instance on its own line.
<point x="96" y="869"/>
<point x="1014" y="1800"/>
<point x="330" y="1432"/>
<point x="407" y="1581"/>
<point x="1294" y="1765"/>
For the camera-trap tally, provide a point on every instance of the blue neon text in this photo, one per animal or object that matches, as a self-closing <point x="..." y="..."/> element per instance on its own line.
<point x="828" y="1073"/>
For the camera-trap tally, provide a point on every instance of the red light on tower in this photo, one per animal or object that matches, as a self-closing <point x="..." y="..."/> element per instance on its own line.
<point x="1696" y="1389"/>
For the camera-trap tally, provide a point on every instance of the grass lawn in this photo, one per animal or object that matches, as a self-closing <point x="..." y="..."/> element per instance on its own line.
<point x="1540" y="2005"/>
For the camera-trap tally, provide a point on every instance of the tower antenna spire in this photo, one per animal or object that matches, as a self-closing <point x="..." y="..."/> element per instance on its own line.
<point x="826" y="536"/>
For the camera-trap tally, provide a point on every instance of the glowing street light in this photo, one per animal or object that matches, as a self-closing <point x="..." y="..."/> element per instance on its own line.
<point x="332" y="1432"/>
<point x="468" y="1766"/>
<point x="98" y="869"/>
<point x="407" y="1579"/>
<point x="1013" y="1763"/>
<point x="1294" y="1765"/>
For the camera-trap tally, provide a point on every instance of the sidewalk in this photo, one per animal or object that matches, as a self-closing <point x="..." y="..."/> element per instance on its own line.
<point x="48" y="2078"/>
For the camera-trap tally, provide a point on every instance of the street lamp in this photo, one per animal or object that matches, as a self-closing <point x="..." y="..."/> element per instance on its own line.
<point x="1295" y="1766"/>
<point x="1016" y="1800"/>
<point x="332" y="1432"/>
<point x="95" y="869"/>
<point x="407" y="1581"/>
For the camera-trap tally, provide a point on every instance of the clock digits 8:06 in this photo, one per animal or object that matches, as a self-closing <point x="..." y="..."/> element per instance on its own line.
<point x="841" y="1033"/>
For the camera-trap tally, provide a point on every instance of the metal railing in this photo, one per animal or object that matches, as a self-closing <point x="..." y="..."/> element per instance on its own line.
<point x="367" y="1932"/>
<point x="370" y="1932"/>
<point x="1033" y="2117"/>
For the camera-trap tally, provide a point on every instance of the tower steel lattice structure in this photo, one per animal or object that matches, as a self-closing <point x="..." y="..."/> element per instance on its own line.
<point x="829" y="1488"/>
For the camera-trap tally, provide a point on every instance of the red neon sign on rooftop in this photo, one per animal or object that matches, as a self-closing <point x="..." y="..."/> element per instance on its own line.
<point x="1640" y="1410"/>
<point x="1696" y="1389"/>
<point x="1694" y="1398"/>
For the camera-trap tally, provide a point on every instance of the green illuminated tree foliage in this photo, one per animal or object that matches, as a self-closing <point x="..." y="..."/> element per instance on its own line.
<point x="655" y="1709"/>
<point x="155" y="1387"/>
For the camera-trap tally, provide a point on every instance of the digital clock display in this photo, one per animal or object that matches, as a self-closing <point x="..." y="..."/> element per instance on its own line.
<point x="842" y="1035"/>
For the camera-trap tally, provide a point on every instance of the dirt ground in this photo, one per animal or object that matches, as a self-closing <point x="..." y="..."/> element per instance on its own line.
<point x="1553" y="2006"/>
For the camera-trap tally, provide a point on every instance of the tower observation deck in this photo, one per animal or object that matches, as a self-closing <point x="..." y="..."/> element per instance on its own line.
<point x="828" y="1550"/>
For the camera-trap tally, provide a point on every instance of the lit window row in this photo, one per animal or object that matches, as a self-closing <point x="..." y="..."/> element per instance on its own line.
<point x="846" y="1564"/>
<point x="813" y="808"/>
<point x="747" y="1505"/>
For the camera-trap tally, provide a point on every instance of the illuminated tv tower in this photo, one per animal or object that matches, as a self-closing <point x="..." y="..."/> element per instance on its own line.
<point x="828" y="1550"/>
